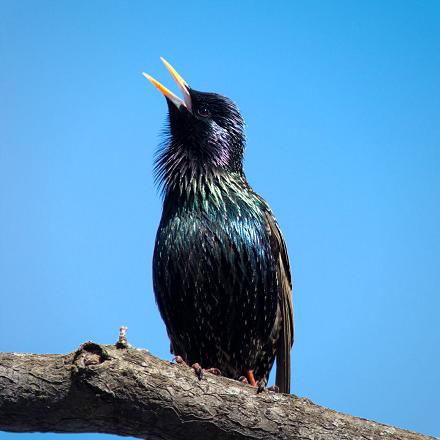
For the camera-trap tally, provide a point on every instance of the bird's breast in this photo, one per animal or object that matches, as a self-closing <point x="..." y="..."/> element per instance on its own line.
<point x="213" y="220"/>
<point x="214" y="273"/>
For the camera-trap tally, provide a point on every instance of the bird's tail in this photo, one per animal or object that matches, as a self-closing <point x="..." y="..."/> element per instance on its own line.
<point x="282" y="379"/>
<point x="285" y="342"/>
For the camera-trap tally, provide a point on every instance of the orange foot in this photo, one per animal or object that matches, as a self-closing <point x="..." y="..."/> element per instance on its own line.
<point x="251" y="378"/>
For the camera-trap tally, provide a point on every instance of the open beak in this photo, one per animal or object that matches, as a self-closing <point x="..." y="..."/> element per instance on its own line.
<point x="181" y="83"/>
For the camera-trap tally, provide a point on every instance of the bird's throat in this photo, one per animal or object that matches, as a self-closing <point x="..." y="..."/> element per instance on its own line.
<point x="219" y="191"/>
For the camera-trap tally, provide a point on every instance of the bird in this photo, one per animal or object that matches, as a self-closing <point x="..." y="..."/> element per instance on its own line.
<point x="221" y="271"/>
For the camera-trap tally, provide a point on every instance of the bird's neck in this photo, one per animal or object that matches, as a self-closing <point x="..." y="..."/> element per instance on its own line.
<point x="217" y="190"/>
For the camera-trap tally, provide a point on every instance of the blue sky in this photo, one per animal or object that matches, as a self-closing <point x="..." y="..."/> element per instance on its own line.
<point x="341" y="101"/>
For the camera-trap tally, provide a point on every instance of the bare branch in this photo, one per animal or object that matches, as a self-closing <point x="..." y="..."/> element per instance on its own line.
<point x="102" y="388"/>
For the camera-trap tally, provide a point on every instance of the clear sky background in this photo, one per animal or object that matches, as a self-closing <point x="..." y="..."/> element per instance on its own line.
<point x="341" y="101"/>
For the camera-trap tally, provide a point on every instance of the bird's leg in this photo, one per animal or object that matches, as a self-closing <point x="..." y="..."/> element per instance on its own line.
<point x="260" y="385"/>
<point x="251" y="378"/>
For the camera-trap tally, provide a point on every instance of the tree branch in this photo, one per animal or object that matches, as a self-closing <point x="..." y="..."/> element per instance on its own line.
<point x="103" y="388"/>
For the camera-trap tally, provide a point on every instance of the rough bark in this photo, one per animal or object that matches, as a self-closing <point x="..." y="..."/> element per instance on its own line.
<point x="125" y="391"/>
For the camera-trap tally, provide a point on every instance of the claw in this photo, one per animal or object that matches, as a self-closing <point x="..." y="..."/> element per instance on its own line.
<point x="200" y="372"/>
<point x="243" y="380"/>
<point x="178" y="360"/>
<point x="214" y="371"/>
<point x="273" y="389"/>
<point x="198" y="369"/>
<point x="261" y="385"/>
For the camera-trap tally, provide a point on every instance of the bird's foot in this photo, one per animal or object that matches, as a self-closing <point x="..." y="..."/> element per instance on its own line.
<point x="214" y="371"/>
<point x="178" y="360"/>
<point x="200" y="372"/>
<point x="196" y="367"/>
<point x="251" y="378"/>
<point x="262" y="387"/>
<point x="273" y="389"/>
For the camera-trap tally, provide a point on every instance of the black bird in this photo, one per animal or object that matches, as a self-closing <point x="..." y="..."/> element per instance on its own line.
<point x="221" y="272"/>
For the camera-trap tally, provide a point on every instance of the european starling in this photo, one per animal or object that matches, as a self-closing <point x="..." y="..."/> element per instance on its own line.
<point x="221" y="271"/>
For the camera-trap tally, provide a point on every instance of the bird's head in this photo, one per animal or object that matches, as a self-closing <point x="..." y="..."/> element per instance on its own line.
<point x="205" y="133"/>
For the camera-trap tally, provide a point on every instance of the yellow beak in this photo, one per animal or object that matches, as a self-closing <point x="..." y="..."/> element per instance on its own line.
<point x="181" y="83"/>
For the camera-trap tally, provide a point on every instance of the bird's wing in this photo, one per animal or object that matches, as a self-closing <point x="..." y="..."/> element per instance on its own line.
<point x="286" y="337"/>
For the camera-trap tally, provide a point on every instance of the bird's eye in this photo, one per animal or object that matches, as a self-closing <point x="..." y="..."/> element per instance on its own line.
<point x="203" y="112"/>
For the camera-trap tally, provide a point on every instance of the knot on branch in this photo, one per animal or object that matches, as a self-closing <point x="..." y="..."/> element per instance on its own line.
<point x="89" y="354"/>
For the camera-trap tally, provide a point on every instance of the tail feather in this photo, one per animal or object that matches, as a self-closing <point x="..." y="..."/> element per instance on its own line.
<point x="286" y="337"/>
<point x="282" y="379"/>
